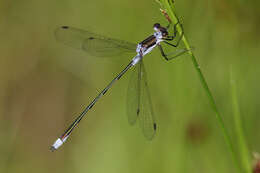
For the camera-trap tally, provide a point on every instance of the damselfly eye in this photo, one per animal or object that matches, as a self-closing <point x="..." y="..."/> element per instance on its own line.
<point x="157" y="25"/>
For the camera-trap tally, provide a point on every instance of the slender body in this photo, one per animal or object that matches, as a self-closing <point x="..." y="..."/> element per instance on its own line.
<point x="142" y="49"/>
<point x="66" y="134"/>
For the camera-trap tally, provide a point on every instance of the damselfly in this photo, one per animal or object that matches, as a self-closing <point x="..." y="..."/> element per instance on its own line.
<point x="139" y="105"/>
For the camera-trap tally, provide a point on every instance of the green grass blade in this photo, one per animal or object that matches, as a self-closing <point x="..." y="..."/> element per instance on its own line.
<point x="169" y="7"/>
<point x="242" y="145"/>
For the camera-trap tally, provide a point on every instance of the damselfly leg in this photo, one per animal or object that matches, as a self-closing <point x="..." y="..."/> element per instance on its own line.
<point x="178" y="52"/>
<point x="173" y="55"/>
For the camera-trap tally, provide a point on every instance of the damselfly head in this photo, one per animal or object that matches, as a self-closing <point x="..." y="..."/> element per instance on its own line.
<point x="157" y="27"/>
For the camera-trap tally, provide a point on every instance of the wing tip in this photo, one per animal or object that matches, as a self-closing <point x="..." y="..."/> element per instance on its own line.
<point x="131" y="122"/>
<point x="154" y="126"/>
<point x="65" y="27"/>
<point x="149" y="136"/>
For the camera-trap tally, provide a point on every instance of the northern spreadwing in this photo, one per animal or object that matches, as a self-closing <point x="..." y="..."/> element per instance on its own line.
<point x="139" y="104"/>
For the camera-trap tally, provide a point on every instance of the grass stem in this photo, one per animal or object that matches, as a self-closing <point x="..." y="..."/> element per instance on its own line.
<point x="242" y="145"/>
<point x="169" y="7"/>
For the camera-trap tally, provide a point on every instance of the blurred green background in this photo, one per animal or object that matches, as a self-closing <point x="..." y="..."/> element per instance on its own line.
<point x="44" y="85"/>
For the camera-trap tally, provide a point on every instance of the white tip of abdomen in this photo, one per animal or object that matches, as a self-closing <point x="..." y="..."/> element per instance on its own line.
<point x="56" y="144"/>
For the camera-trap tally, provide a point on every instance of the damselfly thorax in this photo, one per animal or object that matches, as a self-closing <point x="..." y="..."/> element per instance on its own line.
<point x="152" y="41"/>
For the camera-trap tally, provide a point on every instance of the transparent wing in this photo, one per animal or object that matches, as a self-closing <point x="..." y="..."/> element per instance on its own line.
<point x="146" y="114"/>
<point x="133" y="95"/>
<point x="139" y="102"/>
<point x="94" y="44"/>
